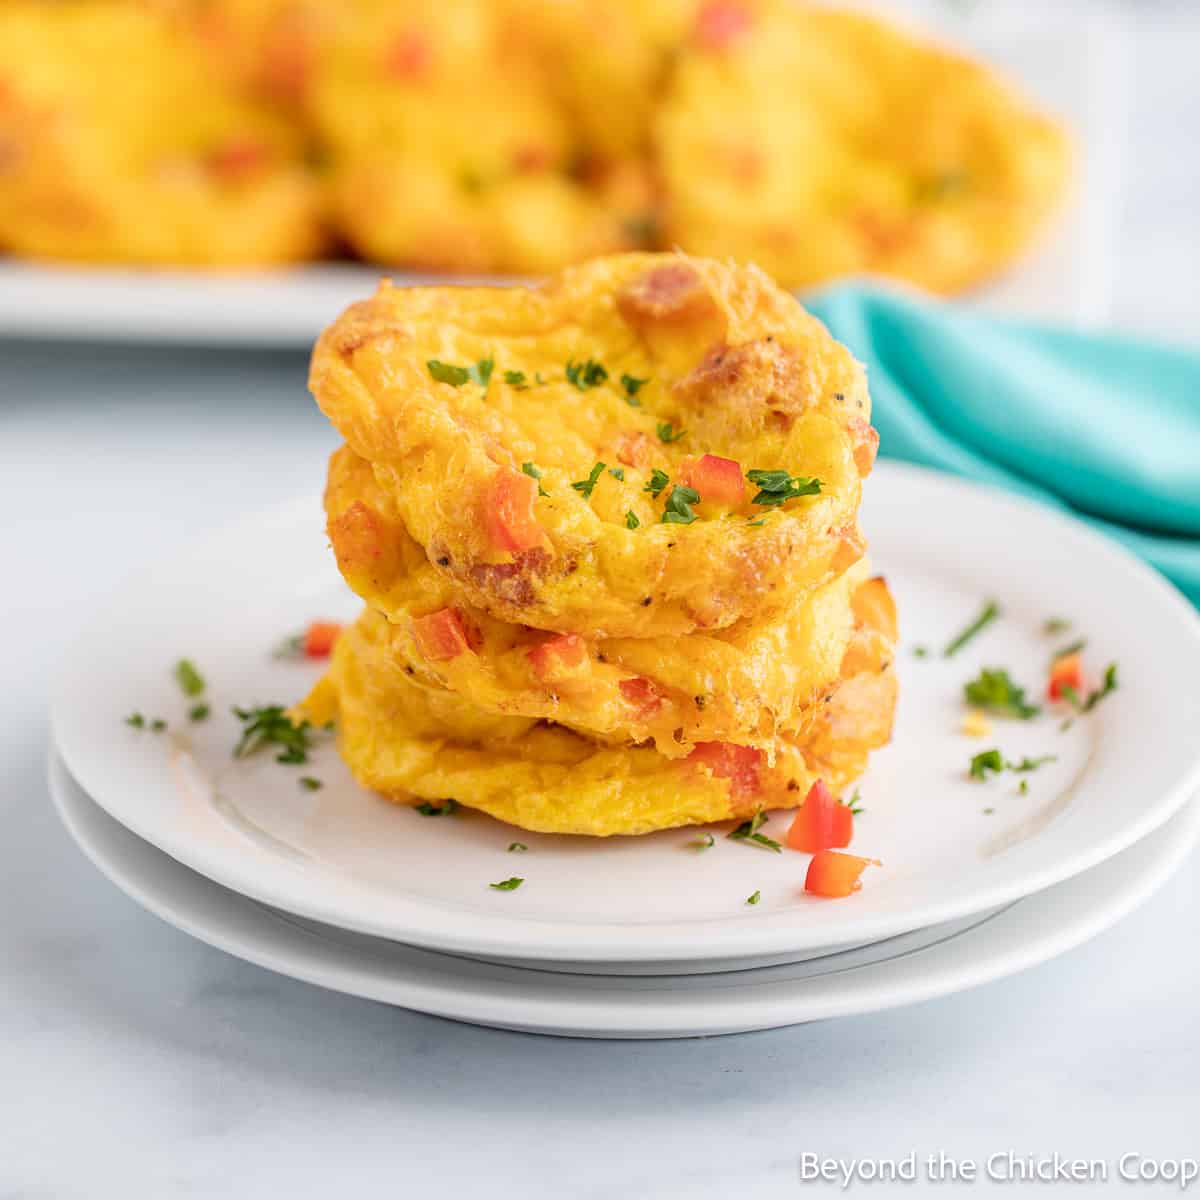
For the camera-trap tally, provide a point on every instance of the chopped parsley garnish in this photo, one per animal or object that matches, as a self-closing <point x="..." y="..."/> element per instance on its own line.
<point x="991" y="610"/>
<point x="1030" y="764"/>
<point x="679" y="505"/>
<point x="515" y="379"/>
<point x="270" y="725"/>
<point x="987" y="812"/>
<point x="668" y="433"/>
<point x="777" y="487"/>
<point x="517" y="847"/>
<point x="437" y="810"/>
<point x="585" y="487"/>
<point x="480" y="373"/>
<point x="1074" y="648"/>
<point x="657" y="481"/>
<point x="996" y="693"/>
<point x="199" y="712"/>
<point x="631" y="519"/>
<point x="632" y="386"/>
<point x="447" y="372"/>
<point x="586" y="375"/>
<point x="855" y="805"/>
<point x="290" y="647"/>
<point x="508" y="885"/>
<point x="136" y="720"/>
<point x="1069" y="694"/>
<point x="309" y="784"/>
<point x="992" y="760"/>
<point x="1023" y="787"/>
<point x="756" y="524"/>
<point x="754" y="897"/>
<point x="157" y="725"/>
<point x="1109" y="685"/>
<point x="985" y="761"/>
<point x="1054" y="625"/>
<point x="534" y="473"/>
<point x="747" y="831"/>
<point x="617" y="473"/>
<point x="189" y="679"/>
<point x="702" y="841"/>
<point x="920" y="652"/>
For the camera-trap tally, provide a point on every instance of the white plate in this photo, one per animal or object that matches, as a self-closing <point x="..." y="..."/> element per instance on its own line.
<point x="342" y="856"/>
<point x="934" y="962"/>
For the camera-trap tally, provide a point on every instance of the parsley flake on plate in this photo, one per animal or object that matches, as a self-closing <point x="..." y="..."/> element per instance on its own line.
<point x="269" y="725"/>
<point x="990" y="611"/>
<point x="631" y="519"/>
<point x="1075" y="647"/>
<point x="985" y="761"/>
<point x="1109" y="686"/>
<point x="585" y="487"/>
<point x="994" y="761"/>
<point x="617" y="473"/>
<point x="437" y="810"/>
<point x="855" y="805"/>
<point x="516" y="379"/>
<point x="754" y="897"/>
<point x="702" y="841"/>
<point x="585" y="375"/>
<point x="1055" y="625"/>
<point x="517" y="847"/>
<point x="679" y="506"/>
<point x="157" y="725"/>
<point x="777" y="487"/>
<point x="199" y="712"/>
<point x="668" y="433"/>
<point x="309" y="784"/>
<point x="508" y="885"/>
<point x="190" y="681"/>
<point x="136" y="720"/>
<point x="995" y="692"/>
<point x="657" y="481"/>
<point x="632" y="386"/>
<point x="748" y="831"/>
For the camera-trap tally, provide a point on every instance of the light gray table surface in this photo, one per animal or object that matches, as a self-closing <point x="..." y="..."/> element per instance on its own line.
<point x="137" y="1062"/>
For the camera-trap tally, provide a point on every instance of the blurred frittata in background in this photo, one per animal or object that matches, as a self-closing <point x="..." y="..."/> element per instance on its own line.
<point x="511" y="136"/>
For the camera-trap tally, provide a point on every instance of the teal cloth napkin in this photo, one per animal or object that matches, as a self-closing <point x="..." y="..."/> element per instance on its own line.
<point x="1106" y="426"/>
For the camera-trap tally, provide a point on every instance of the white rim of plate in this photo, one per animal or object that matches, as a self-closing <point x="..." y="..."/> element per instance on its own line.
<point x="1167" y="778"/>
<point x="1021" y="935"/>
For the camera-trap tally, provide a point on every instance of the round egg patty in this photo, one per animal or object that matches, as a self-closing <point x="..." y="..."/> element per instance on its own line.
<point x="644" y="446"/>
<point x="416" y="744"/>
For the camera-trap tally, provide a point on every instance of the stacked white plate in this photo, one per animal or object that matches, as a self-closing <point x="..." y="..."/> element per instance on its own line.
<point x="652" y="936"/>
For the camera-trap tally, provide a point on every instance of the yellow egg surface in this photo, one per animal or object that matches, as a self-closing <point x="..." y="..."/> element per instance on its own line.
<point x="746" y="683"/>
<point x="820" y="143"/>
<point x="535" y="441"/>
<point x="119" y="145"/>
<point x="447" y="149"/>
<point x="416" y="744"/>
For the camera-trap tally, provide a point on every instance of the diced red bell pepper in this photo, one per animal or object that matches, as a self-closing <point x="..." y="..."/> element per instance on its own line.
<point x="836" y="875"/>
<point x="719" y="22"/>
<point x="741" y="765"/>
<point x="237" y="158"/>
<point x="866" y="444"/>
<point x="408" y="57"/>
<point x="1066" y="672"/>
<point x="441" y="635"/>
<point x="559" y="659"/>
<point x="319" y="638"/>
<point x="642" y="694"/>
<point x="821" y="823"/>
<point x="718" y="480"/>
<point x="508" y="511"/>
